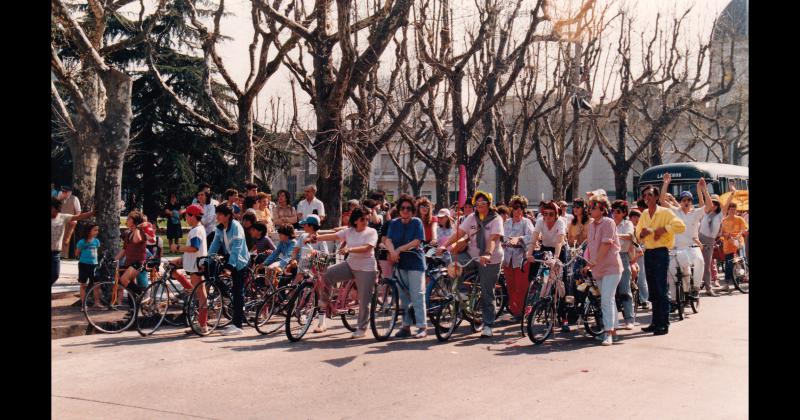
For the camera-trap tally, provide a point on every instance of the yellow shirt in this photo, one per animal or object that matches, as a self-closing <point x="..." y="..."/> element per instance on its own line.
<point x="733" y="225"/>
<point x="663" y="217"/>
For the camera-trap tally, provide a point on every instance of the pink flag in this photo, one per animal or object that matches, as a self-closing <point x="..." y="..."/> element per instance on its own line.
<point x="462" y="185"/>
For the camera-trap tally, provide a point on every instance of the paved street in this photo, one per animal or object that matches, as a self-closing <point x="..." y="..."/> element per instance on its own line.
<point x="697" y="371"/>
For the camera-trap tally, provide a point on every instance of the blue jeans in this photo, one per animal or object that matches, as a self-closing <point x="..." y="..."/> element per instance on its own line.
<point x="415" y="295"/>
<point x="641" y="281"/>
<point x="657" y="264"/>
<point x="608" y="288"/>
<point x="55" y="266"/>
<point x="488" y="276"/>
<point x="624" y="288"/>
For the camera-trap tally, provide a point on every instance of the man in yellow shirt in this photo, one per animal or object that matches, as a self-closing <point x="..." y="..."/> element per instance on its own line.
<point x="656" y="230"/>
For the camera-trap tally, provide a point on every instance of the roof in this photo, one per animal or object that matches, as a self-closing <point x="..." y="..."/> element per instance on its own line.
<point x="692" y="171"/>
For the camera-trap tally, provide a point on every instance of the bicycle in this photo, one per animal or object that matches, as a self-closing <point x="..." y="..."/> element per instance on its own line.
<point x="216" y="291"/>
<point x="162" y="294"/>
<point x="741" y="274"/>
<point x="534" y="288"/>
<point x="118" y="306"/>
<point x="443" y="308"/>
<point x="543" y="316"/>
<point x="274" y="302"/>
<point x="682" y="297"/>
<point x="592" y="308"/>
<point x="303" y="305"/>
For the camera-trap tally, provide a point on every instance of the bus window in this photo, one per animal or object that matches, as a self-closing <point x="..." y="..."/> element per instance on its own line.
<point x="723" y="186"/>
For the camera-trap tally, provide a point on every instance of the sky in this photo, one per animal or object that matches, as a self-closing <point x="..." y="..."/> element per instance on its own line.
<point x="238" y="26"/>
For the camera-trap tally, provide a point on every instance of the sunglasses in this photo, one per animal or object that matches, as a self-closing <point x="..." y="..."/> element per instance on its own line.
<point x="423" y="206"/>
<point x="409" y="208"/>
<point x="477" y="203"/>
<point x="548" y="213"/>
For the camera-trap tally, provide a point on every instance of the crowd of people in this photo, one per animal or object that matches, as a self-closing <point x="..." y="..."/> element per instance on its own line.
<point x="622" y="241"/>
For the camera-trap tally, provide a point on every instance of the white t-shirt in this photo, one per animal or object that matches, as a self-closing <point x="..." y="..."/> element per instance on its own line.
<point x="190" y="258"/>
<point x="550" y="237"/>
<point x="57" y="230"/>
<point x="360" y="261"/>
<point x="209" y="219"/>
<point x="692" y="221"/>
<point x="710" y="224"/>
<point x="305" y="249"/>
<point x="308" y="208"/>
<point x="624" y="228"/>
<point x="495" y="227"/>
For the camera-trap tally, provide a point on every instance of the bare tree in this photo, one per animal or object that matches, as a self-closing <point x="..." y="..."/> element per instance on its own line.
<point x="651" y="104"/>
<point x="723" y="131"/>
<point x="102" y="115"/>
<point x="266" y="36"/>
<point x="679" y="85"/>
<point x="329" y="85"/>
<point x="516" y="120"/>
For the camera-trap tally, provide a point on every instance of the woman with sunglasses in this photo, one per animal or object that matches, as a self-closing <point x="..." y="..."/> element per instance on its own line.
<point x="619" y="209"/>
<point x="485" y="230"/>
<point x="602" y="254"/>
<point x="578" y="226"/>
<point x="428" y="220"/>
<point x="360" y="265"/>
<point x="518" y="234"/>
<point x="403" y="240"/>
<point x="551" y="230"/>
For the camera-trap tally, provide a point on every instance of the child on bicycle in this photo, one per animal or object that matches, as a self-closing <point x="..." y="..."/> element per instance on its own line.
<point x="135" y="252"/>
<point x="281" y="256"/>
<point x="305" y="247"/>
<point x="87" y="264"/>
<point x="196" y="248"/>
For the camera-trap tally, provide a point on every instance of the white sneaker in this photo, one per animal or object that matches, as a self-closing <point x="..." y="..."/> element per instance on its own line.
<point x="608" y="340"/>
<point x="358" y="333"/>
<point x="232" y="330"/>
<point x="628" y="326"/>
<point x="487" y="331"/>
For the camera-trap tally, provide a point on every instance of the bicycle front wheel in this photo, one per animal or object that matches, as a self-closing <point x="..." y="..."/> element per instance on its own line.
<point x="541" y="321"/>
<point x="447" y="318"/>
<point x="204" y="310"/>
<point x="350" y="299"/>
<point x="593" y="317"/>
<point x="152" y="308"/>
<point x="269" y="314"/>
<point x="384" y="310"/>
<point x="113" y="311"/>
<point x="741" y="276"/>
<point x="300" y="312"/>
<point x="500" y="297"/>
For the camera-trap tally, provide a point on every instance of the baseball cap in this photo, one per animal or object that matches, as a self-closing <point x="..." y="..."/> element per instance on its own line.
<point x="714" y="197"/>
<point x="443" y="213"/>
<point x="66" y="188"/>
<point x="685" y="194"/>
<point x="194" y="210"/>
<point x="311" y="219"/>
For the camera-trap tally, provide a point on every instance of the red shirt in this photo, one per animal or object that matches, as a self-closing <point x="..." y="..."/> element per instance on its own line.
<point x="428" y="228"/>
<point x="134" y="252"/>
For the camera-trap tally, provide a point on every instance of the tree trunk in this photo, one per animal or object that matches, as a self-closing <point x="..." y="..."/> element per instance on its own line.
<point x="558" y="187"/>
<point x="442" y="187"/>
<point x="329" y="150"/>
<point x="359" y="184"/>
<point x="244" y="142"/>
<point x="83" y="148"/>
<point x="510" y="185"/>
<point x="117" y="127"/>
<point x="621" y="182"/>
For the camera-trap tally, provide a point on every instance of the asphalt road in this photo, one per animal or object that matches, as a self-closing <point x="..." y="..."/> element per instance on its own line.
<point x="698" y="371"/>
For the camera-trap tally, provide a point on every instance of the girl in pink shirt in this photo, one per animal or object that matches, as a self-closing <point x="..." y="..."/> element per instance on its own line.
<point x="602" y="252"/>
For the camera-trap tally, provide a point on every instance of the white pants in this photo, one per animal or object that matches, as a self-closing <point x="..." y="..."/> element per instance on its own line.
<point x="690" y="258"/>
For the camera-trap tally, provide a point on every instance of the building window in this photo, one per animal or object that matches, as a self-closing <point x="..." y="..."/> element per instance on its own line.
<point x="387" y="166"/>
<point x="427" y="194"/>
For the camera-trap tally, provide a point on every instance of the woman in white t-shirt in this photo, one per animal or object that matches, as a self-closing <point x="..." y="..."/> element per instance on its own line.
<point x="360" y="265"/>
<point x="625" y="233"/>
<point x="485" y="230"/>
<point x="552" y="231"/>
